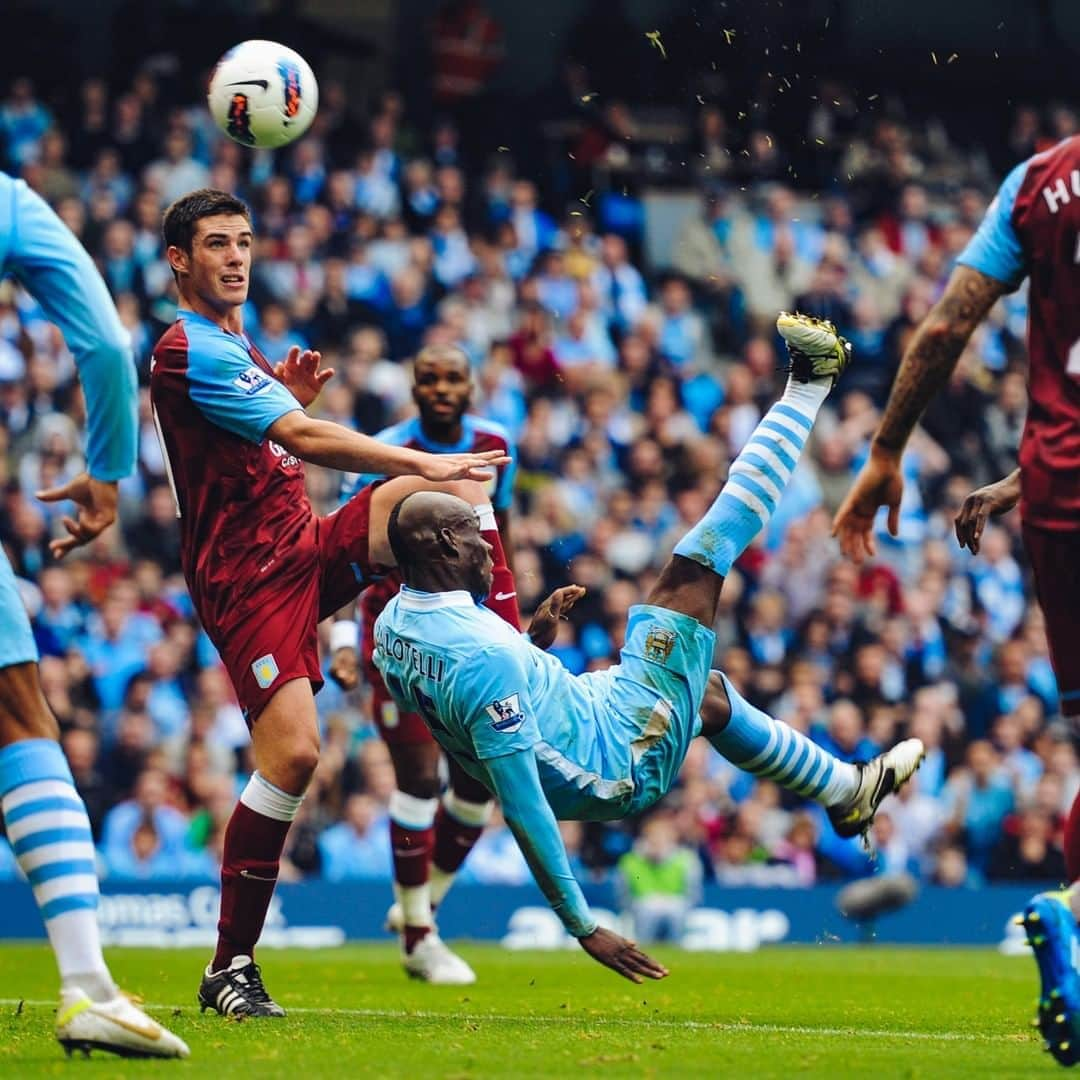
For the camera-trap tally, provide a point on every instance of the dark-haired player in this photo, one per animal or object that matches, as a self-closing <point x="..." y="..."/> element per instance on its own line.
<point x="261" y="567"/>
<point x="430" y="840"/>
<point x="1031" y="230"/>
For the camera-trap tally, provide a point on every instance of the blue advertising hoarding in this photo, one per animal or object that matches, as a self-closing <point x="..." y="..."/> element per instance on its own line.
<point x="319" y="914"/>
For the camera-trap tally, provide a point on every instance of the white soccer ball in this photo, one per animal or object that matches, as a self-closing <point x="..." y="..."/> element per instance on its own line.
<point x="263" y="94"/>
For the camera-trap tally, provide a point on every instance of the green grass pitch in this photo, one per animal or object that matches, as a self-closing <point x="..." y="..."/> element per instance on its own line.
<point x="830" y="1012"/>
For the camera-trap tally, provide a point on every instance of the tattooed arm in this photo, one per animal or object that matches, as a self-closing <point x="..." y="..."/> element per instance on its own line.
<point x="927" y="364"/>
<point x="932" y="353"/>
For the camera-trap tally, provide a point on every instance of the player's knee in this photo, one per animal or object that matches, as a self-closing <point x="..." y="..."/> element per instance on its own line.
<point x="715" y="706"/>
<point x="301" y="762"/>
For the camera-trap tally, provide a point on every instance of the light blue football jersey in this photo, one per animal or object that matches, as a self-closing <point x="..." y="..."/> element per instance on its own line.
<point x="486" y="691"/>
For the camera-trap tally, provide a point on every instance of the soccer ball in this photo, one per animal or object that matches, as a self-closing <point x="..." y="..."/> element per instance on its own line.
<point x="263" y="94"/>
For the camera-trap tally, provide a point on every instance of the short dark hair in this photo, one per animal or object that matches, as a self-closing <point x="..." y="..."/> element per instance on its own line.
<point x="178" y="225"/>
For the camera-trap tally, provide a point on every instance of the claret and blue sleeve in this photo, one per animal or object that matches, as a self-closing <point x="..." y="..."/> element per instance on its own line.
<point x="995" y="249"/>
<point x="229" y="388"/>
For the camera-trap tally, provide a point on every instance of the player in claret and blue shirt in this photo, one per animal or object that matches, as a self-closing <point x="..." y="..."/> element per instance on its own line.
<point x="1031" y="230"/>
<point x="261" y="566"/>
<point x="607" y="745"/>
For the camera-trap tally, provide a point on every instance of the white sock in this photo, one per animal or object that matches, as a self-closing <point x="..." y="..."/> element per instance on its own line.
<point x="49" y="833"/>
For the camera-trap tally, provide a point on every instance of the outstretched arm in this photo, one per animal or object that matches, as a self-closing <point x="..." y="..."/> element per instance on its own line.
<point x="323" y="442"/>
<point x="924" y="370"/>
<point x="527" y="812"/>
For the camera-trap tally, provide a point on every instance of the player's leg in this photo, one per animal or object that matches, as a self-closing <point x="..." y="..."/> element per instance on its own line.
<point x="462" y="815"/>
<point x="49" y="832"/>
<point x="285" y="745"/>
<point x="771" y="749"/>
<point x="1050" y="919"/>
<point x="690" y="582"/>
<point x="453" y="827"/>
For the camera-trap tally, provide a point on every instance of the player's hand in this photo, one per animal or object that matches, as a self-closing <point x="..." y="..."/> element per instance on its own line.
<point x="545" y="622"/>
<point x="621" y="955"/>
<point x="983" y="503"/>
<point x="302" y="374"/>
<point x="96" y="500"/>
<point x="442" y="467"/>
<point x="345" y="668"/>
<point x="879" y="483"/>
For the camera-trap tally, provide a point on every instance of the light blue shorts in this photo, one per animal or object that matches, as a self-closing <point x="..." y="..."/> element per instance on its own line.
<point x="16" y="638"/>
<point x="655" y="693"/>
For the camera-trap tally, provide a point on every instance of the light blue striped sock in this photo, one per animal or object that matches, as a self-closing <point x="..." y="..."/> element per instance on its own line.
<point x="49" y="833"/>
<point x="756" y="480"/>
<point x="769" y="748"/>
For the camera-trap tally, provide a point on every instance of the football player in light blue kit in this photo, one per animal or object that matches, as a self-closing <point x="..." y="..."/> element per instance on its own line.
<point x="44" y="816"/>
<point x="607" y="745"/>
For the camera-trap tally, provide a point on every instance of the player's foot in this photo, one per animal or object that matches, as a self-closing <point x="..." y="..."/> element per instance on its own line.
<point x="1051" y="929"/>
<point x="237" y="990"/>
<point x="433" y="962"/>
<point x="117" y="1025"/>
<point x="815" y="348"/>
<point x="887" y="773"/>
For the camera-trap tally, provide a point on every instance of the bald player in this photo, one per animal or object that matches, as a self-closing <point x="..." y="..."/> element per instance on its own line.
<point x="607" y="745"/>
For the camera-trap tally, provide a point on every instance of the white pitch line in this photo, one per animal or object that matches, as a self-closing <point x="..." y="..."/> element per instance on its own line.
<point x="605" y="1021"/>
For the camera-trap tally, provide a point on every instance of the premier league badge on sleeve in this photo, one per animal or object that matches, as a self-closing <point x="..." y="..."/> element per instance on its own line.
<point x="659" y="644"/>
<point x="506" y="715"/>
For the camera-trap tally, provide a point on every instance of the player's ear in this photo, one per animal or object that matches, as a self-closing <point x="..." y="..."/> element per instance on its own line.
<point x="179" y="259"/>
<point x="447" y="542"/>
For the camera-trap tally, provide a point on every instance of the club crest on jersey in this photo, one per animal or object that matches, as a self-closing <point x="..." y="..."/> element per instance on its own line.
<point x="252" y="381"/>
<point x="506" y="715"/>
<point x="265" y="670"/>
<point x="659" y="644"/>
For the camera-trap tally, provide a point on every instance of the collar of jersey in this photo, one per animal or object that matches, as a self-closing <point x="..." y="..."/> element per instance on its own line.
<point x="416" y="600"/>
<point x="193" y="316"/>
<point x="460" y="447"/>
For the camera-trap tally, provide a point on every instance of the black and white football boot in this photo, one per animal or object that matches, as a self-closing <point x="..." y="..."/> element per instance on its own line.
<point x="884" y="775"/>
<point x="237" y="991"/>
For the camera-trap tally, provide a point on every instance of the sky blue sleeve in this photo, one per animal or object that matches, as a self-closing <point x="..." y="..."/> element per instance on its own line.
<point x="517" y="784"/>
<point x="55" y="268"/>
<point x="491" y="692"/>
<point x="504" y="488"/>
<point x="230" y="389"/>
<point x="995" y="248"/>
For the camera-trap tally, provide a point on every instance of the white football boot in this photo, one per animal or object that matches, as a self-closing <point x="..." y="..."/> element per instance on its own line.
<point x="117" y="1025"/>
<point x="431" y="961"/>
<point x="884" y="775"/>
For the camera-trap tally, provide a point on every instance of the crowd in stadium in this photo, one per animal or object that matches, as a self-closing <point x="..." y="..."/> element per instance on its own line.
<point x="628" y="388"/>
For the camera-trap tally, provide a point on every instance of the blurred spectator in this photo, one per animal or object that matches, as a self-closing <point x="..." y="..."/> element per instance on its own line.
<point x="659" y="880"/>
<point x="359" y="845"/>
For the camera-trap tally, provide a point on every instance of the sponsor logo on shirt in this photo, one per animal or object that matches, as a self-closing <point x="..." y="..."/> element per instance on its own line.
<point x="252" y="382"/>
<point x="506" y="715"/>
<point x="659" y="644"/>
<point x="265" y="670"/>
